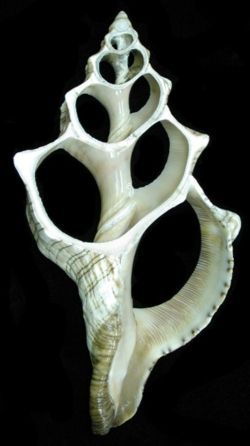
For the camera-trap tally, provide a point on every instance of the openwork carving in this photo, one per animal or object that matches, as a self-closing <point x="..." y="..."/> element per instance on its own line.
<point x="125" y="342"/>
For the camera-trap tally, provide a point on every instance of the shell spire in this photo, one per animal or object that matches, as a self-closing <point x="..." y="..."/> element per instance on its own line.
<point x="121" y="23"/>
<point x="125" y="342"/>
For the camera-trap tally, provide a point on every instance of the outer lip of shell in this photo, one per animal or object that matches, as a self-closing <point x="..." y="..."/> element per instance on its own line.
<point x="166" y="327"/>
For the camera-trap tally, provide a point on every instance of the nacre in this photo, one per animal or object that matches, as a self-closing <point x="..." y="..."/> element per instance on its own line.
<point x="125" y="342"/>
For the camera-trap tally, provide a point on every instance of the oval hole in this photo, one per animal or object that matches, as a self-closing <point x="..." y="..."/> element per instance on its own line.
<point x="149" y="156"/>
<point x="107" y="71"/>
<point x="93" y="117"/>
<point x="139" y="94"/>
<point x="121" y="41"/>
<point x="166" y="256"/>
<point x="70" y="195"/>
<point x="114" y="43"/>
<point x="135" y="62"/>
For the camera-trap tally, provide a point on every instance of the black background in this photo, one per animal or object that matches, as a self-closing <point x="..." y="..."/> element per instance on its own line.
<point x="201" y="393"/>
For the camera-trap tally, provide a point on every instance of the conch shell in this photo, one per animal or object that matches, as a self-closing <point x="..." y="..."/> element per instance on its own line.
<point x="125" y="342"/>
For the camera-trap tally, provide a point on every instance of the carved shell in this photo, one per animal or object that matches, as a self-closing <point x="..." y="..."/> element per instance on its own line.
<point x="125" y="343"/>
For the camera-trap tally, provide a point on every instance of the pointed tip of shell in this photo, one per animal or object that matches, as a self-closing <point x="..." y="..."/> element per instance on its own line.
<point x="121" y="15"/>
<point x="233" y="223"/>
<point x="17" y="160"/>
<point x="230" y="220"/>
<point x="201" y="140"/>
<point x="120" y="23"/>
<point x="204" y="139"/>
<point x="22" y="162"/>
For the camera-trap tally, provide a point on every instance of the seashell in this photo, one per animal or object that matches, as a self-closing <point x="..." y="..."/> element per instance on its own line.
<point x="125" y="342"/>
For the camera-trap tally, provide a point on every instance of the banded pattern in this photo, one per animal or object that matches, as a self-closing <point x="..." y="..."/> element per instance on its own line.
<point x="98" y="279"/>
<point x="99" y="286"/>
<point x="104" y="345"/>
<point x="55" y="249"/>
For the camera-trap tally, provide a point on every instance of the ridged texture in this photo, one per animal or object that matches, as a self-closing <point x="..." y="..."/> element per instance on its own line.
<point x="102" y="409"/>
<point x="166" y="327"/>
<point x="99" y="285"/>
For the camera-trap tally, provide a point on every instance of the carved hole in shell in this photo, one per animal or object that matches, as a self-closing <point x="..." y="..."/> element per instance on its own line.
<point x="93" y="116"/>
<point x="149" y="156"/>
<point x="70" y="195"/>
<point x="139" y="97"/>
<point x="107" y="71"/>
<point x="139" y="94"/>
<point x="174" y="169"/>
<point x="118" y="68"/>
<point x="166" y="256"/>
<point x="121" y="41"/>
<point x="135" y="63"/>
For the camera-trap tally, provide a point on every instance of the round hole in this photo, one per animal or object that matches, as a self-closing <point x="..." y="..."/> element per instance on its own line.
<point x="107" y="71"/>
<point x="121" y="41"/>
<point x="135" y="63"/>
<point x="93" y="117"/>
<point x="139" y="94"/>
<point x="112" y="66"/>
<point x="70" y="195"/>
<point x="166" y="256"/>
<point x="149" y="156"/>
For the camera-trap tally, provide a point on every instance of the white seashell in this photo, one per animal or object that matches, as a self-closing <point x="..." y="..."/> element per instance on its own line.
<point x="124" y="342"/>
